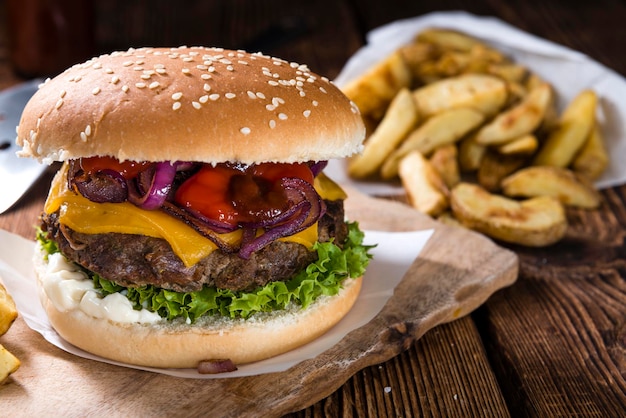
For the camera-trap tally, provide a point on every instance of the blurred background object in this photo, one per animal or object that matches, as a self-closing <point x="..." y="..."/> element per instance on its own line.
<point x="47" y="36"/>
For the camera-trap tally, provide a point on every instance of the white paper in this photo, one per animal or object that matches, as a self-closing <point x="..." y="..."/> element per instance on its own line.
<point x="394" y="253"/>
<point x="569" y="71"/>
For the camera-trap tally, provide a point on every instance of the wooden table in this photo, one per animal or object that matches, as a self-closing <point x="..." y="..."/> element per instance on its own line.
<point x="554" y="343"/>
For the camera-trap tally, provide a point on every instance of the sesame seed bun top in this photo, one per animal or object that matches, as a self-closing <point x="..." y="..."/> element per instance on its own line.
<point x="190" y="104"/>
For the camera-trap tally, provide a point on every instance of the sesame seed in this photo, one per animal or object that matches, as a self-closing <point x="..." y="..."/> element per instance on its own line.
<point x="230" y="68"/>
<point x="95" y="91"/>
<point x="83" y="137"/>
<point x="211" y="69"/>
<point x="214" y="97"/>
<point x="88" y="130"/>
<point x="125" y="88"/>
<point x="196" y="105"/>
<point x="154" y="85"/>
<point x="270" y="107"/>
<point x="138" y="68"/>
<point x="242" y="62"/>
<point x="186" y="71"/>
<point x="230" y="95"/>
<point x="63" y="93"/>
<point x="128" y="63"/>
<point x="140" y="85"/>
<point x="272" y="83"/>
<point x="322" y="89"/>
<point x="202" y="67"/>
<point x="205" y="76"/>
<point x="203" y="99"/>
<point x="206" y="87"/>
<point x="108" y="71"/>
<point x="251" y="94"/>
<point x="177" y="95"/>
<point x="176" y="106"/>
<point x="58" y="104"/>
<point x="146" y="76"/>
<point x="187" y="59"/>
<point x="160" y="71"/>
<point x="115" y="79"/>
<point x="225" y="61"/>
<point x="306" y="113"/>
<point x="277" y="63"/>
<point x="260" y="95"/>
<point x="77" y="78"/>
<point x="245" y="130"/>
<point x="302" y="93"/>
<point x="272" y="123"/>
<point x="282" y="116"/>
<point x="314" y="103"/>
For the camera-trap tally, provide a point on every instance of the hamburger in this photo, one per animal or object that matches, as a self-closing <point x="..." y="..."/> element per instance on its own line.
<point x="190" y="222"/>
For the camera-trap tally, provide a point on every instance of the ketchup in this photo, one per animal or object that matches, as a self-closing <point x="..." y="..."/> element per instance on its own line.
<point x="128" y="169"/>
<point x="234" y="194"/>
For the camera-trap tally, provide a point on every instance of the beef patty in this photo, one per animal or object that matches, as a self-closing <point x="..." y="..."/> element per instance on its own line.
<point x="136" y="260"/>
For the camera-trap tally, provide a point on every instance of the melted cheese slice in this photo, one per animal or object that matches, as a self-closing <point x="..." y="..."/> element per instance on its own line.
<point x="85" y="216"/>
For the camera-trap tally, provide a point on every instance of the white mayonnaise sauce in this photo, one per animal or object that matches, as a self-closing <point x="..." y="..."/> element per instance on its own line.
<point x="69" y="288"/>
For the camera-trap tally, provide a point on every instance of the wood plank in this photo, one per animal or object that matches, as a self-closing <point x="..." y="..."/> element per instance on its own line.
<point x="570" y="305"/>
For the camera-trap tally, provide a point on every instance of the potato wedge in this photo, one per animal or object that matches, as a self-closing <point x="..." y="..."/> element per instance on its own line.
<point x="424" y="186"/>
<point x="513" y="73"/>
<point x="448" y="39"/>
<point x="374" y="90"/>
<point x="535" y="222"/>
<point x="441" y="129"/>
<point x="574" y="127"/>
<point x="447" y="218"/>
<point x="8" y="311"/>
<point x="593" y="158"/>
<point x="485" y="93"/>
<point x="399" y="119"/>
<point x="519" y="120"/>
<point x="524" y="145"/>
<point x="495" y="167"/>
<point x="417" y="57"/>
<point x="8" y="363"/>
<point x="445" y="161"/>
<point x="471" y="154"/>
<point x="557" y="182"/>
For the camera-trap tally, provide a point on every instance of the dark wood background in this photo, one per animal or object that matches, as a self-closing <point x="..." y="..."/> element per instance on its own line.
<point x="553" y="344"/>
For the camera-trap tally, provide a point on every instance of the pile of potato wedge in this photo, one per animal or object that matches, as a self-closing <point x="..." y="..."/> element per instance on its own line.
<point x="476" y="139"/>
<point x="8" y="313"/>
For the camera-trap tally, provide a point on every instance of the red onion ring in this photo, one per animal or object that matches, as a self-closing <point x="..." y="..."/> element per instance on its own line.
<point x="101" y="187"/>
<point x="216" y="366"/>
<point x="152" y="186"/>
<point x="205" y="229"/>
<point x="317" y="167"/>
<point x="307" y="208"/>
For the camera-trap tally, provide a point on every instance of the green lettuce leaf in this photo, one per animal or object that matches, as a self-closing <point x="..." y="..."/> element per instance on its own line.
<point x="322" y="277"/>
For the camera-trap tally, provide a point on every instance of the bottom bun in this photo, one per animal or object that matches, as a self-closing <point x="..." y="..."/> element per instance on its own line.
<point x="179" y="345"/>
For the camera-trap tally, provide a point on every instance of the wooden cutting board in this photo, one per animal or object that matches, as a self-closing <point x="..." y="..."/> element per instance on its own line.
<point x="456" y="272"/>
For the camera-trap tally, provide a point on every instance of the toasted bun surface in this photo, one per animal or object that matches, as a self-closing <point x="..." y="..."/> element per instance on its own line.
<point x="193" y="104"/>
<point x="180" y="345"/>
